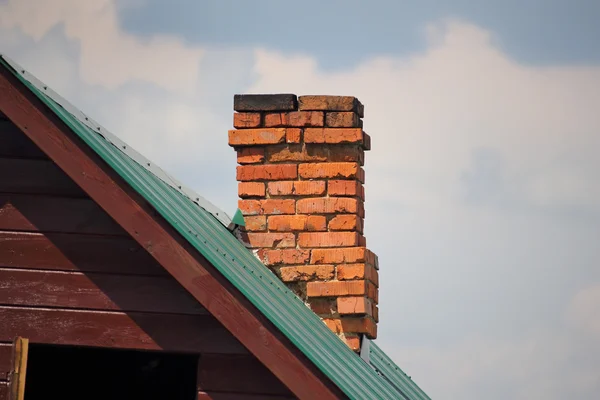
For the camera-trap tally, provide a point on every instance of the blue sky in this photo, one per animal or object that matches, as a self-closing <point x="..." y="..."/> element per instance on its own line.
<point x="483" y="184"/>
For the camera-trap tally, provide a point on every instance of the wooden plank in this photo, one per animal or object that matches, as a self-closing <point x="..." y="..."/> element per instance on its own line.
<point x="13" y="143"/>
<point x="73" y="252"/>
<point x="237" y="373"/>
<point x="35" y="177"/>
<point x="5" y="360"/>
<point x="54" y="214"/>
<point x="170" y="332"/>
<point x="173" y="252"/>
<point x="18" y="373"/>
<point x="96" y="292"/>
<point x="240" y="396"/>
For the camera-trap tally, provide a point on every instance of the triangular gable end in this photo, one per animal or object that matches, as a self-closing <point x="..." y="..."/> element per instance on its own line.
<point x="52" y="232"/>
<point x="198" y="251"/>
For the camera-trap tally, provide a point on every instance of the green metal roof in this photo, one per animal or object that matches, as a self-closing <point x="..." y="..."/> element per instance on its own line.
<point x="197" y="223"/>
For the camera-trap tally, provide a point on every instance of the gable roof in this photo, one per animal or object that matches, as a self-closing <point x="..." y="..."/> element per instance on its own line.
<point x="205" y="227"/>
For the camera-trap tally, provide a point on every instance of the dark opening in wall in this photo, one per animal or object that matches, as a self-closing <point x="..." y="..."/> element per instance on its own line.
<point x="71" y="372"/>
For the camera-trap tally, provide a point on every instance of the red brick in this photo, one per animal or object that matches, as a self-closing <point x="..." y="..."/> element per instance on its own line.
<point x="266" y="172"/>
<point x="291" y="256"/>
<point x="342" y="120"/>
<point x="287" y="223"/>
<point x="251" y="155"/>
<point x="322" y="306"/>
<point x="293" y="135"/>
<point x="256" y="223"/>
<point x="353" y="342"/>
<point x="306" y="273"/>
<point x="333" y="135"/>
<point x="296" y="152"/>
<point x="331" y="103"/>
<point x="281" y="188"/>
<point x="344" y="153"/>
<point x="354" y="305"/>
<point x="300" y="188"/>
<point x="366" y="141"/>
<point x="336" y="289"/>
<point x="246" y="120"/>
<point x="375" y="313"/>
<point x="268" y="206"/>
<point x="297" y="119"/>
<point x="276" y="206"/>
<point x="277" y="240"/>
<point x="316" y="223"/>
<point x="364" y="325"/>
<point x="328" y="239"/>
<point x="357" y="271"/>
<point x="250" y="137"/>
<point x="333" y="170"/>
<point x="327" y="205"/>
<point x="346" y="223"/>
<point x="249" y="207"/>
<point x="345" y="188"/>
<point x="251" y="189"/>
<point x="339" y="256"/>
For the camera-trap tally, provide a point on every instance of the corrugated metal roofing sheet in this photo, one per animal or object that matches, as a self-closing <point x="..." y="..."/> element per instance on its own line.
<point x="356" y="378"/>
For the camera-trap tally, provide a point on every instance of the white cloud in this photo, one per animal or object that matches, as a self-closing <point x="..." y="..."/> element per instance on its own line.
<point x="483" y="188"/>
<point x="109" y="56"/>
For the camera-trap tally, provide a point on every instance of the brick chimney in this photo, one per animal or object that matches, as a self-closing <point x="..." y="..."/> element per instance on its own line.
<point x="302" y="197"/>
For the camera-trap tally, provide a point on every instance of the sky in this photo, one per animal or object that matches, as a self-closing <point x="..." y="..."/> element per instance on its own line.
<point x="482" y="185"/>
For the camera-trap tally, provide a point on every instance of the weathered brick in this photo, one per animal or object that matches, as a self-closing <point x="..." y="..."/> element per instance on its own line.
<point x="354" y="305"/>
<point x="331" y="103"/>
<point x="306" y="273"/>
<point x="353" y="342"/>
<point x="345" y="255"/>
<point x="288" y="256"/>
<point x="346" y="223"/>
<point x="336" y="288"/>
<point x="322" y="305"/>
<point x="293" y="135"/>
<point x="276" y="240"/>
<point x="330" y="170"/>
<point x="295" y="119"/>
<point x="251" y="189"/>
<point x="256" y="223"/>
<point x="265" y="102"/>
<point x="364" y="325"/>
<point x="357" y="271"/>
<point x="328" y="239"/>
<point x="280" y="188"/>
<point x="251" y="155"/>
<point x="342" y="120"/>
<point x="345" y="153"/>
<point x="333" y="135"/>
<point x="289" y="223"/>
<point x="375" y="313"/>
<point x="366" y="141"/>
<point x="252" y="137"/>
<point x="268" y="206"/>
<point x="249" y="207"/>
<point x="300" y="188"/>
<point x="345" y="188"/>
<point x="327" y="205"/>
<point x="316" y="223"/>
<point x="296" y="152"/>
<point x="246" y="120"/>
<point x="266" y="172"/>
<point x="276" y="206"/>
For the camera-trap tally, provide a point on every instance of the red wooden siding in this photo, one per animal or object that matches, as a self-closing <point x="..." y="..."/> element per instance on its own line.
<point x="71" y="275"/>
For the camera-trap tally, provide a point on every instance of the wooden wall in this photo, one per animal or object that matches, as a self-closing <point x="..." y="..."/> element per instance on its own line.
<point x="70" y="275"/>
